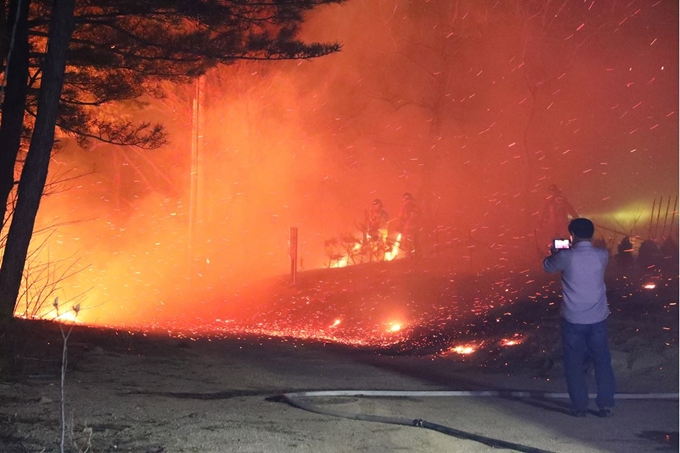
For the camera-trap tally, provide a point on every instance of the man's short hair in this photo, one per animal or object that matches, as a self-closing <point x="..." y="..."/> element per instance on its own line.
<point x="582" y="228"/>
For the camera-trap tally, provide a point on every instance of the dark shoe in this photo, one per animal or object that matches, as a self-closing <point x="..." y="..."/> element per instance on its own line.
<point x="579" y="414"/>
<point x="605" y="412"/>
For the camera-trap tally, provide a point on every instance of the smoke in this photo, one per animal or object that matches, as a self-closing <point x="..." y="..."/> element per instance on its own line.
<point x="474" y="107"/>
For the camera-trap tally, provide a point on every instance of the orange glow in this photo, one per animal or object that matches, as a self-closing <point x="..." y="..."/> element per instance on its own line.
<point x="649" y="286"/>
<point x="198" y="230"/>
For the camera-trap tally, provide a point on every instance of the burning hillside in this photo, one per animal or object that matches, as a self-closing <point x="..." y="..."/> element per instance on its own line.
<point x="433" y="308"/>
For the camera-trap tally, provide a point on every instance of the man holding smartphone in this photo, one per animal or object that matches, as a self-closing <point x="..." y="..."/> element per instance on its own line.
<point x="584" y="313"/>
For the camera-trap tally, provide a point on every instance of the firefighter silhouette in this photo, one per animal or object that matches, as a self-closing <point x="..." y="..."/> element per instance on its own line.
<point x="556" y="214"/>
<point x="408" y="221"/>
<point x="376" y="221"/>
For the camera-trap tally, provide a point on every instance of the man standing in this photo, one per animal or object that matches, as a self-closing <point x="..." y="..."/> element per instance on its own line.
<point x="584" y="314"/>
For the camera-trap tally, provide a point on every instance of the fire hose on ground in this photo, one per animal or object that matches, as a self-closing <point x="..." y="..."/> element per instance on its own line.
<point x="293" y="399"/>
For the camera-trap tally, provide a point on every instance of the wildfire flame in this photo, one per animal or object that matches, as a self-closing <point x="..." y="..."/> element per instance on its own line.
<point x="392" y="254"/>
<point x="345" y="260"/>
<point x="67" y="318"/>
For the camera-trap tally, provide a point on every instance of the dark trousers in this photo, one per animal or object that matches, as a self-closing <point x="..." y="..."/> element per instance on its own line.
<point x="577" y="341"/>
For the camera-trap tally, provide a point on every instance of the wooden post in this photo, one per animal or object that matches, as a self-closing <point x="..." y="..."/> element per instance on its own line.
<point x="665" y="219"/>
<point x="658" y="216"/>
<point x="651" y="219"/>
<point x="293" y="252"/>
<point x="675" y="209"/>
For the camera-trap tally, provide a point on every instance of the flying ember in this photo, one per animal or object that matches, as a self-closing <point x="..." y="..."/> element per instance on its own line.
<point x="425" y="188"/>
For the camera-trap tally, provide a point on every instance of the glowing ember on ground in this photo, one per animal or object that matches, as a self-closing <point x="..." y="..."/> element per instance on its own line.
<point x="463" y="349"/>
<point x="649" y="286"/>
<point x="513" y="341"/>
<point x="341" y="332"/>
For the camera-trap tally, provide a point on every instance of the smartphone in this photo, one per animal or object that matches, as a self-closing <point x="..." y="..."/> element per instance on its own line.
<point x="561" y="244"/>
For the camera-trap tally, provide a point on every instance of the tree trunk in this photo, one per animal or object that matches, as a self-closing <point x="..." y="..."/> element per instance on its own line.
<point x="13" y="102"/>
<point x="4" y="43"/>
<point x="34" y="173"/>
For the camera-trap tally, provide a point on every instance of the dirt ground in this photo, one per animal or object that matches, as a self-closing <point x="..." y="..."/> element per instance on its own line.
<point x="139" y="392"/>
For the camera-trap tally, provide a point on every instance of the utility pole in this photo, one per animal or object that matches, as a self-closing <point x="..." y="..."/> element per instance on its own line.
<point x="293" y="252"/>
<point x="196" y="140"/>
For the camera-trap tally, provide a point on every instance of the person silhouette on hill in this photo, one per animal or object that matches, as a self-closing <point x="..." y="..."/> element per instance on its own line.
<point x="376" y="221"/>
<point x="408" y="224"/>
<point x="556" y="213"/>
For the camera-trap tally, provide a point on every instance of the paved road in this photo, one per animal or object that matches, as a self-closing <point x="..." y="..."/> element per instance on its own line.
<point x="220" y="396"/>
